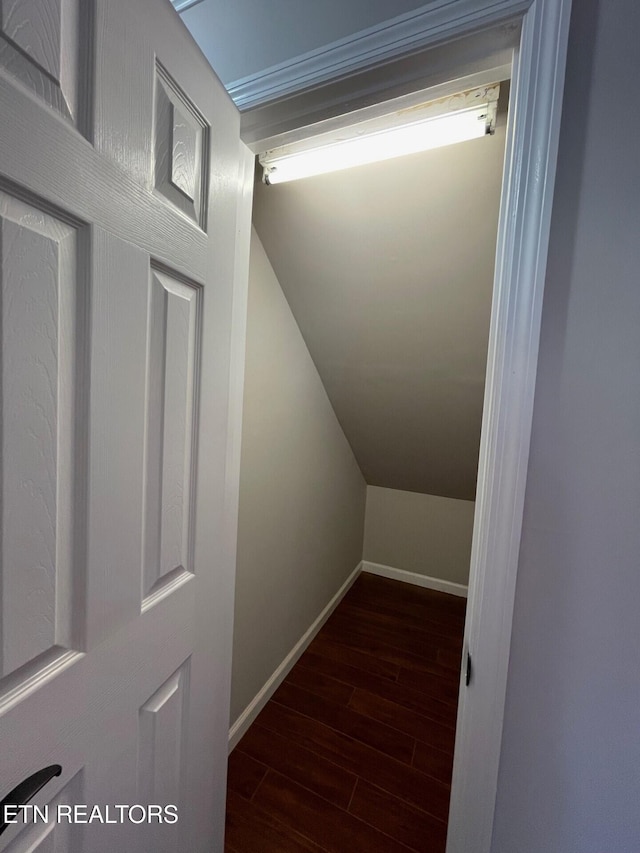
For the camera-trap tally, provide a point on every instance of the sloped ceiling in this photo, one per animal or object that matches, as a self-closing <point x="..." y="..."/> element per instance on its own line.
<point x="388" y="269"/>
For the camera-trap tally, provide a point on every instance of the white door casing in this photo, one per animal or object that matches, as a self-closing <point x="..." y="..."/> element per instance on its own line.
<point x="120" y="180"/>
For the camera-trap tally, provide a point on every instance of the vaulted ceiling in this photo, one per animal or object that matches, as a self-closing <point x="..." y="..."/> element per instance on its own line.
<point x="388" y="269"/>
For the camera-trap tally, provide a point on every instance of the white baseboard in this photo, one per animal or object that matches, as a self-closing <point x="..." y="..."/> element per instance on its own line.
<point x="239" y="728"/>
<point x="414" y="578"/>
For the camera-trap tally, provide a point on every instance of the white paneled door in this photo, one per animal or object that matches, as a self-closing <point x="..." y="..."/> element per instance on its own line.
<point x="119" y="182"/>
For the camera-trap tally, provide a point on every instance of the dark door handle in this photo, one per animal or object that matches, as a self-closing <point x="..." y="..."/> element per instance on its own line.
<point x="26" y="790"/>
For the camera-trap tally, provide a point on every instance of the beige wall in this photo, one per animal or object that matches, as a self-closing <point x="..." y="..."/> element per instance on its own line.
<point x="302" y="496"/>
<point x="420" y="533"/>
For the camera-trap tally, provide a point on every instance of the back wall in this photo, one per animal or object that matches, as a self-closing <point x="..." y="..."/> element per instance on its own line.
<point x="425" y="534"/>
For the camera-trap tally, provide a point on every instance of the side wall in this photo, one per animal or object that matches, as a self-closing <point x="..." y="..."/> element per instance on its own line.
<point x="425" y="534"/>
<point x="569" y="780"/>
<point x="302" y="496"/>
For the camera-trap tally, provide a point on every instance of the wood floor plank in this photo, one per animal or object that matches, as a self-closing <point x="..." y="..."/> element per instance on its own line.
<point x="344" y="672"/>
<point x="340" y="627"/>
<point x="451" y="658"/>
<point x="376" y="734"/>
<point x="433" y="705"/>
<point x="434" y="762"/>
<point x="387" y="773"/>
<point x="447" y="627"/>
<point x="309" y="769"/>
<point x="244" y="774"/>
<point x="326" y="648"/>
<point x="368" y="642"/>
<point x="321" y="684"/>
<point x="410" y="722"/>
<point x="410" y="826"/>
<point x="336" y="830"/>
<point x="443" y="686"/>
<point x="441" y="635"/>
<point x="354" y="750"/>
<point x="374" y="587"/>
<point x="411" y="610"/>
<point x="251" y="829"/>
<point x="413" y="638"/>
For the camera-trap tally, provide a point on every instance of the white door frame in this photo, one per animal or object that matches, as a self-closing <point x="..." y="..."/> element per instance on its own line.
<point x="523" y="235"/>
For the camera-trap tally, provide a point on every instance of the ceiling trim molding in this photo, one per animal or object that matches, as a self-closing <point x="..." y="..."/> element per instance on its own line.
<point x="183" y="5"/>
<point x="367" y="48"/>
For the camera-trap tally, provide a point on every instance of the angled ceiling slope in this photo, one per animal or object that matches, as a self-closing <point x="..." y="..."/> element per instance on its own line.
<point x="388" y="269"/>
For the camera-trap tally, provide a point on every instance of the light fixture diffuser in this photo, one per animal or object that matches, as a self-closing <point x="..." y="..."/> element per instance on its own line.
<point x="407" y="132"/>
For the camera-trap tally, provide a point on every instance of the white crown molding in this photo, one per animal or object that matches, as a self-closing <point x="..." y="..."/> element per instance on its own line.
<point x="183" y="5"/>
<point x="367" y="48"/>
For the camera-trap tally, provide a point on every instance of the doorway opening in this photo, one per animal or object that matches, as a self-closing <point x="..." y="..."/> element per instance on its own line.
<point x="388" y="272"/>
<point x="534" y="41"/>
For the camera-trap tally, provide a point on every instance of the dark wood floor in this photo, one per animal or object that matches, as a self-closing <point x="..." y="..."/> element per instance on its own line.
<point x="354" y="751"/>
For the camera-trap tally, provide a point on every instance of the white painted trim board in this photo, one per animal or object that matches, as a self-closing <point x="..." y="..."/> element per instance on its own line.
<point x="246" y="718"/>
<point x="414" y="578"/>
<point x="380" y="43"/>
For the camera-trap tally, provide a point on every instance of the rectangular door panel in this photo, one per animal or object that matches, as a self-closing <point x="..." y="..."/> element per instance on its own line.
<point x="44" y="834"/>
<point x="45" y="46"/>
<point x="162" y="735"/>
<point x="40" y="302"/>
<point x="173" y="357"/>
<point x="162" y="740"/>
<point x="180" y="149"/>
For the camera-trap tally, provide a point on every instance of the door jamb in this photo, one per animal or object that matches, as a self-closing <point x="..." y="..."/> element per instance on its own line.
<point x="537" y="82"/>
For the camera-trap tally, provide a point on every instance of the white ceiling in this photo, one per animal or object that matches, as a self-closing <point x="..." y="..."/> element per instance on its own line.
<point x="388" y="270"/>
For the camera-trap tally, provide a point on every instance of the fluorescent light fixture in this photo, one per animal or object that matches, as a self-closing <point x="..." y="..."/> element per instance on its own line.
<point x="407" y="132"/>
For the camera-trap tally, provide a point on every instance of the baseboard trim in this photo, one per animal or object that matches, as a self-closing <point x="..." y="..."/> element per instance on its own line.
<point x="414" y="578"/>
<point x="239" y="728"/>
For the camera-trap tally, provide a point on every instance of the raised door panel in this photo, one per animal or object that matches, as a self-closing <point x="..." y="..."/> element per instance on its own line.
<point x="50" y="828"/>
<point x="144" y="356"/>
<point x="180" y="149"/>
<point x="42" y="346"/>
<point x="34" y="27"/>
<point x="173" y="338"/>
<point x="44" y="46"/>
<point x="150" y="115"/>
<point x="162" y="739"/>
<point x="162" y="736"/>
